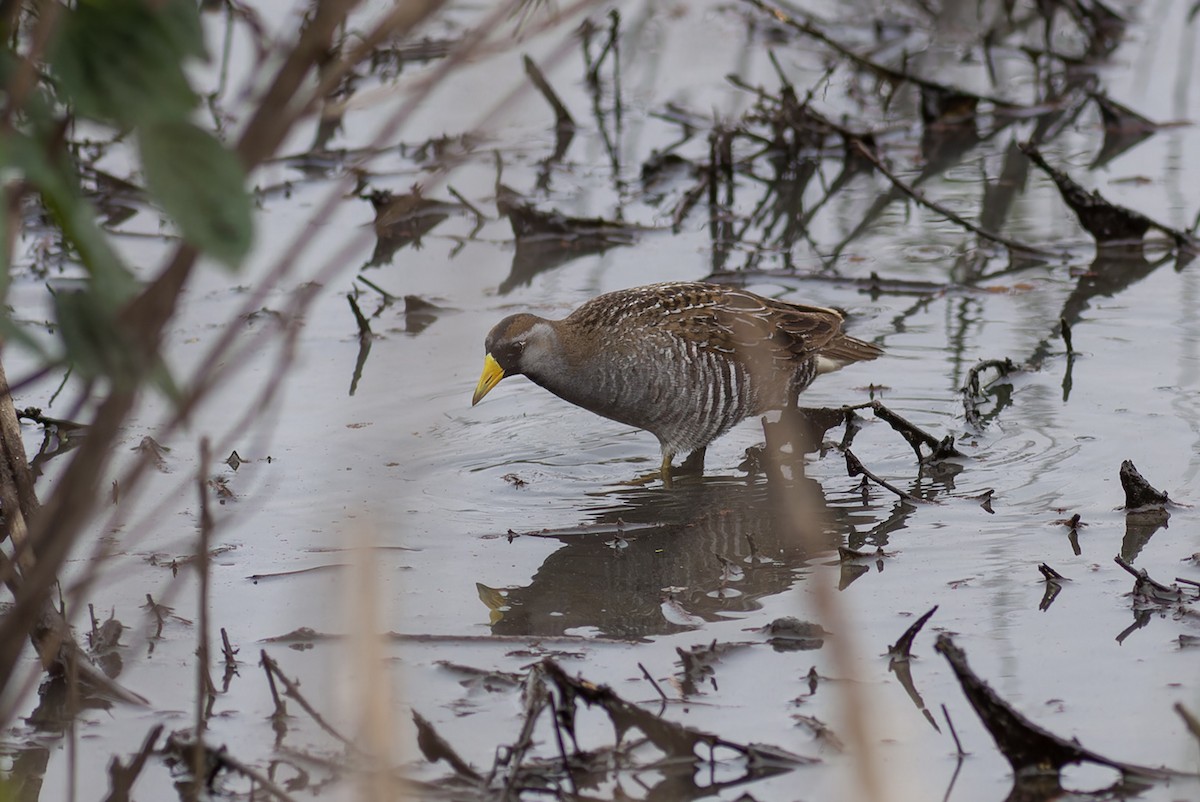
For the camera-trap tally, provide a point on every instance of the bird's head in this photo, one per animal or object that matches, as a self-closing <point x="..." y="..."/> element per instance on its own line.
<point x="518" y="345"/>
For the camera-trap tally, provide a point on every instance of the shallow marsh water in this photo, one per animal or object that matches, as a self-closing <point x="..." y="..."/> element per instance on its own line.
<point x="611" y="578"/>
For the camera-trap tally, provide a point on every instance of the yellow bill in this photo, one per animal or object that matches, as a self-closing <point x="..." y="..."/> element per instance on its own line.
<point x="492" y="374"/>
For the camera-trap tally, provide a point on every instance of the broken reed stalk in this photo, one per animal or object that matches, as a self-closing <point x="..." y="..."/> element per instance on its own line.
<point x="224" y="759"/>
<point x="1139" y="493"/>
<point x="1148" y="588"/>
<point x="1049" y="574"/>
<point x="388" y="298"/>
<point x="434" y="747"/>
<point x="901" y="649"/>
<point x="1189" y="720"/>
<point x="364" y="325"/>
<point x="610" y="45"/>
<point x="292" y="691"/>
<point x="915" y="435"/>
<point x="1029" y="748"/>
<point x="953" y="732"/>
<point x="204" y="684"/>
<point x="855" y="467"/>
<point x="228" y="651"/>
<point x="972" y="388"/>
<point x="562" y="117"/>
<point x="1108" y="223"/>
<point x="537" y="698"/>
<point x="1064" y="330"/>
<point x="480" y="217"/>
<point x="562" y="747"/>
<point x="672" y="738"/>
<point x="279" y="715"/>
<point x="654" y="683"/>
<point x="808" y="426"/>
<point x="121" y="778"/>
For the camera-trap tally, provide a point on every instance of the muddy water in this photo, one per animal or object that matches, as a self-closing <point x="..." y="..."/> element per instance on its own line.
<point x="515" y="518"/>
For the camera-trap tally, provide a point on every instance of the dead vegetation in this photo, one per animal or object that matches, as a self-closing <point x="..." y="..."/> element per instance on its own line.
<point x="756" y="181"/>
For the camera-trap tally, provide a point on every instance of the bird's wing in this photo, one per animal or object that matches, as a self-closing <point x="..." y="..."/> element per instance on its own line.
<point x="724" y="320"/>
<point x="729" y="320"/>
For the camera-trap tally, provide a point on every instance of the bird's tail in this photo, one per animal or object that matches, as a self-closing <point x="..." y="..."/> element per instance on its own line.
<point x="843" y="350"/>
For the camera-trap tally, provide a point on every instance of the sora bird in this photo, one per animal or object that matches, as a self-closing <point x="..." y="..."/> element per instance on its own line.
<point x="685" y="361"/>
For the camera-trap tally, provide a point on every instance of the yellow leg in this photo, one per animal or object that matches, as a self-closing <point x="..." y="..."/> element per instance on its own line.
<point x="663" y="473"/>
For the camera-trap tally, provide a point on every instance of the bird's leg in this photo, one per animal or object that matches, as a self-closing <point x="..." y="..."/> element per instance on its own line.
<point x="694" y="464"/>
<point x="664" y="472"/>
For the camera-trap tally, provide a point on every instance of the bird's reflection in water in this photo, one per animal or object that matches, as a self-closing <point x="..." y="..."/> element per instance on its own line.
<point x="657" y="562"/>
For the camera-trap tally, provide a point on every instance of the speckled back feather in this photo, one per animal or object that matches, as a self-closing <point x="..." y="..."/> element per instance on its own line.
<point x="725" y="320"/>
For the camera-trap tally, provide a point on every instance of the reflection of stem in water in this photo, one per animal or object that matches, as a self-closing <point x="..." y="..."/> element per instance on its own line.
<point x="797" y="510"/>
<point x="1067" y="382"/>
<point x="205" y="690"/>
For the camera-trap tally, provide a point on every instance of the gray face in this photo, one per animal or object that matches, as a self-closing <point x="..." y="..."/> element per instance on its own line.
<point x="525" y="344"/>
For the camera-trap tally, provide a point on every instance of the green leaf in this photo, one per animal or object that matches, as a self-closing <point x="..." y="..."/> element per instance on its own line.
<point x="180" y="23"/>
<point x="97" y="346"/>
<point x="94" y="344"/>
<point x="122" y="60"/>
<point x="201" y="185"/>
<point x="12" y="332"/>
<point x="57" y="181"/>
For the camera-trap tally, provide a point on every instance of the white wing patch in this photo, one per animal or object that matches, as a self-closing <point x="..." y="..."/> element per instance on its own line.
<point x="827" y="364"/>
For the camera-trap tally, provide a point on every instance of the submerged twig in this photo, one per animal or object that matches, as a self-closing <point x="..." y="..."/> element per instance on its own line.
<point x="1064" y="330"/>
<point x="654" y="683"/>
<point x="1148" y="589"/>
<point x="1049" y="573"/>
<point x="292" y="691"/>
<point x="205" y="690"/>
<point x="537" y="698"/>
<point x="562" y="117"/>
<point x="1108" y="223"/>
<point x="861" y="149"/>
<point x="901" y="648"/>
<point x="217" y="759"/>
<point x="972" y="388"/>
<point x="364" y="325"/>
<point x="434" y="747"/>
<point x="676" y="740"/>
<point x="916" y="436"/>
<point x="1189" y="720"/>
<point x="121" y="778"/>
<point x="855" y="467"/>
<point x="953" y="732"/>
<point x="1026" y="746"/>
